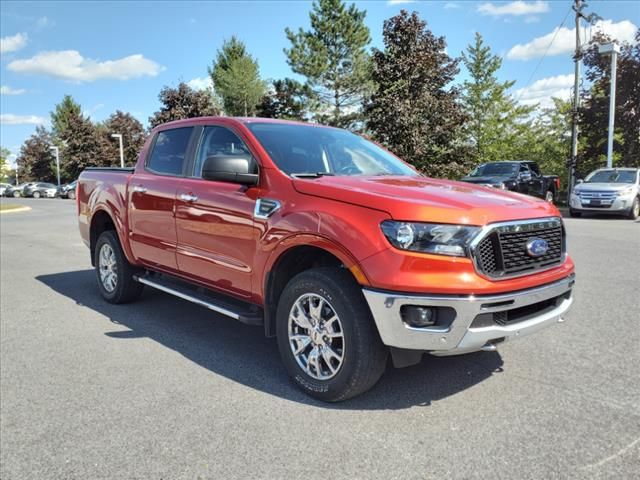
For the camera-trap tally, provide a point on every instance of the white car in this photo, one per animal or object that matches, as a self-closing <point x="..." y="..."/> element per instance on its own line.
<point x="608" y="190"/>
<point x="3" y="187"/>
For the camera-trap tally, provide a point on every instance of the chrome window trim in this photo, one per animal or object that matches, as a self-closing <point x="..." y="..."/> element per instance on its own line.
<point x="531" y="224"/>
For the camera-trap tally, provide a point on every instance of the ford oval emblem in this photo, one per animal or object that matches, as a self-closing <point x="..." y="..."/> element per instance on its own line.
<point x="536" y="247"/>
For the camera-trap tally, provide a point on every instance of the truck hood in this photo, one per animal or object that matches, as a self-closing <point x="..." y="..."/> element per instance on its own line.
<point x="427" y="199"/>
<point x="486" y="180"/>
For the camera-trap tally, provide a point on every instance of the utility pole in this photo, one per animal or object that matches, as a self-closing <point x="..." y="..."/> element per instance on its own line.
<point x="57" y="152"/>
<point x="119" y="137"/>
<point x="611" y="49"/>
<point x="577" y="7"/>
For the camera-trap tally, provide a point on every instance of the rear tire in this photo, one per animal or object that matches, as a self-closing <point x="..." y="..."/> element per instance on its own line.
<point x="634" y="211"/>
<point x="574" y="214"/>
<point x="113" y="272"/>
<point x="343" y="355"/>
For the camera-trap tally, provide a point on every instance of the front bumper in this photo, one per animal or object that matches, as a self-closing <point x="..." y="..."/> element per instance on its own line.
<point x="616" y="205"/>
<point x="467" y="329"/>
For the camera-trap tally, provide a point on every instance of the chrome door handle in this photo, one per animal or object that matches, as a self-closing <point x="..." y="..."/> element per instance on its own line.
<point x="188" y="198"/>
<point x="139" y="189"/>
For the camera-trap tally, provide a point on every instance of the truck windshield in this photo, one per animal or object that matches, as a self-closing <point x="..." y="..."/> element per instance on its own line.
<point x="612" y="176"/>
<point x="314" y="150"/>
<point x="495" y="170"/>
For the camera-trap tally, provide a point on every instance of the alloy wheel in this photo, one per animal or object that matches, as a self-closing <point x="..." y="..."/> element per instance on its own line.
<point x="108" y="268"/>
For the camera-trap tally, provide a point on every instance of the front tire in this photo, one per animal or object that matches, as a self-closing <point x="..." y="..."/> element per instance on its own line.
<point x="16" y="194"/>
<point x="114" y="273"/>
<point x="634" y="211"/>
<point x="36" y="194"/>
<point x="574" y="213"/>
<point x="327" y="338"/>
<point x="71" y="195"/>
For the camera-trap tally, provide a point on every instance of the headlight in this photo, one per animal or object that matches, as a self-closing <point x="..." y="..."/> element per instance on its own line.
<point x="625" y="192"/>
<point x="429" y="237"/>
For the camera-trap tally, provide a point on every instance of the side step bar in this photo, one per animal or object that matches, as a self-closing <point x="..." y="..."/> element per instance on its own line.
<point x="245" y="313"/>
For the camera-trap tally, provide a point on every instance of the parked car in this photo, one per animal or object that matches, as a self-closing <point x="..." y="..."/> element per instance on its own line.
<point x="3" y="187"/>
<point x="41" y="189"/>
<point x="16" y="190"/>
<point x="327" y="241"/>
<point x="521" y="176"/>
<point x="68" y="191"/>
<point x="608" y="190"/>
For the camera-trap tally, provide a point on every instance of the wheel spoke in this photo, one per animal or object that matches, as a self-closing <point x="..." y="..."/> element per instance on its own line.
<point x="316" y="311"/>
<point x="302" y="342"/>
<point x="301" y="318"/>
<point x="327" y="358"/>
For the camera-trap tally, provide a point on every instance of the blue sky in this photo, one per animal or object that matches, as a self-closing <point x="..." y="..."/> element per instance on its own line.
<point x="118" y="55"/>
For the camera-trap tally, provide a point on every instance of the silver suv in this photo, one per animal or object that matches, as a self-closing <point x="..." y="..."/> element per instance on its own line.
<point x="608" y="190"/>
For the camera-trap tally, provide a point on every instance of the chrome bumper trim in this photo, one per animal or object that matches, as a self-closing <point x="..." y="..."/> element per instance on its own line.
<point x="459" y="337"/>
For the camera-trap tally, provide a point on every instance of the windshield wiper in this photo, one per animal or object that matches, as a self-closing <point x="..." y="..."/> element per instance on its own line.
<point x="311" y="174"/>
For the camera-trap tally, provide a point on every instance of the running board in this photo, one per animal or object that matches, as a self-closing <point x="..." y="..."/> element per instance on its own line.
<point x="243" y="312"/>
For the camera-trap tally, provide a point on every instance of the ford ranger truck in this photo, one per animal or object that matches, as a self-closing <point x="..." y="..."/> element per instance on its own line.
<point x="333" y="245"/>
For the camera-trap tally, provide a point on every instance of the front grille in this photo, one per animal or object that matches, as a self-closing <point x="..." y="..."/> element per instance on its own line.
<point x="597" y="194"/>
<point x="502" y="252"/>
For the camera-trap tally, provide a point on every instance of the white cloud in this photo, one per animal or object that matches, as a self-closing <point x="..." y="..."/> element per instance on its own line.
<point x="13" y="43"/>
<point x="11" y="119"/>
<point x="516" y="8"/>
<point x="70" y="65"/>
<point x="541" y="91"/>
<point x="200" y="83"/>
<point x="7" y="90"/>
<point x="451" y="6"/>
<point x="565" y="40"/>
<point x="399" y="2"/>
<point x="44" y="22"/>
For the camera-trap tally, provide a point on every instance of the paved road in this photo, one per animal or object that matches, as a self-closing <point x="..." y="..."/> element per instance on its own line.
<point x="163" y="389"/>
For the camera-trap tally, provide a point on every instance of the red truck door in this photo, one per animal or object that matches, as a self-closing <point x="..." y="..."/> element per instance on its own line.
<point x="214" y="220"/>
<point x="152" y="196"/>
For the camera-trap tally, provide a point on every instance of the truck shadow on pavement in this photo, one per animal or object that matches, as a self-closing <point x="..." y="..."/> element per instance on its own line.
<point x="243" y="354"/>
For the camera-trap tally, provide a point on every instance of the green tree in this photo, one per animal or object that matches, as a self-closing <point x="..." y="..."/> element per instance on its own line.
<point x="64" y="110"/>
<point x="332" y="56"/>
<point x="4" y="163"/>
<point x="81" y="147"/>
<point x="288" y="99"/>
<point x="36" y="161"/>
<point x="236" y="78"/>
<point x="496" y="121"/>
<point x="594" y="114"/>
<point x="413" y="110"/>
<point x="133" y="138"/>
<point x="183" y="102"/>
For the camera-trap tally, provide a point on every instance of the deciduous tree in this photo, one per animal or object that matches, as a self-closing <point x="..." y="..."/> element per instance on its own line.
<point x="332" y="56"/>
<point x="183" y="102"/>
<point x="36" y="161"/>
<point x="414" y="110"/>
<point x="133" y="138"/>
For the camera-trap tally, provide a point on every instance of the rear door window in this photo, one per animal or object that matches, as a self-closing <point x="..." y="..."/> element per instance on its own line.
<point x="170" y="151"/>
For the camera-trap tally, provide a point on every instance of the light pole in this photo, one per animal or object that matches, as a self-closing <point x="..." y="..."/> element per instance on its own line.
<point x="119" y="137"/>
<point x="57" y="152"/>
<point x="611" y="49"/>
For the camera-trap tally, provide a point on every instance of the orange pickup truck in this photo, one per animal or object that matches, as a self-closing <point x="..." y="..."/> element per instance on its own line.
<point x="329" y="242"/>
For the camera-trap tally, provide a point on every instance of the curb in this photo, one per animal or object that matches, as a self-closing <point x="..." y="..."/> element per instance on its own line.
<point x="20" y="209"/>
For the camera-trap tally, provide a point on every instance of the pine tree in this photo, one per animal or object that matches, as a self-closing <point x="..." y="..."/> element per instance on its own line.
<point x="183" y="102"/>
<point x="288" y="99"/>
<point x="236" y="78"/>
<point x="81" y="147"/>
<point x="496" y="121"/>
<point x="64" y="110"/>
<point x="333" y="58"/>
<point x="414" y="111"/>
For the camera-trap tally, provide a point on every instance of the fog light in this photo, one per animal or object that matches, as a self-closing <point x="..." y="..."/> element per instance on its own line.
<point x="418" y="317"/>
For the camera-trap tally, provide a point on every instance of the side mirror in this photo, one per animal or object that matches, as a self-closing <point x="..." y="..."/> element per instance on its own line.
<point x="525" y="177"/>
<point x="579" y="181"/>
<point x="228" y="168"/>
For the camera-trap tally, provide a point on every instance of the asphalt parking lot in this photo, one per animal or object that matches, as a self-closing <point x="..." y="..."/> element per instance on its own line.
<point x="164" y="389"/>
